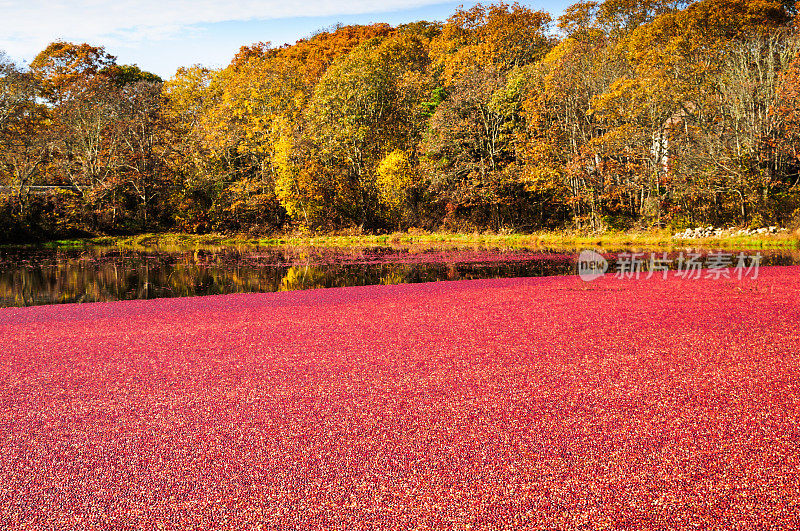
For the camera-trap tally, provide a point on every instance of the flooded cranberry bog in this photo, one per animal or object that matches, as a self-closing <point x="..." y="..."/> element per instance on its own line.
<point x="659" y="401"/>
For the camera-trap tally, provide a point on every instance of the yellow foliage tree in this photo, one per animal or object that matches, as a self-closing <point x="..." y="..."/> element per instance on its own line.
<point x="395" y="176"/>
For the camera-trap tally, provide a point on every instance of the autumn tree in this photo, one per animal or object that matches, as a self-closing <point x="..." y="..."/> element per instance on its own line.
<point x="24" y="138"/>
<point x="707" y="76"/>
<point x="787" y="111"/>
<point x="502" y="35"/>
<point x="395" y="178"/>
<point x="146" y="143"/>
<point x="63" y="67"/>
<point x="367" y="104"/>
<point x="636" y="113"/>
<point x="555" y="152"/>
<point x="190" y="96"/>
<point x="470" y="143"/>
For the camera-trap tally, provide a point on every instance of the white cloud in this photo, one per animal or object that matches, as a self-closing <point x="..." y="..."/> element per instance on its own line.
<point x="27" y="26"/>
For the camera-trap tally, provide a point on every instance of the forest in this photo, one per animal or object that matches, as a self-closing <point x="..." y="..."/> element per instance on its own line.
<point x="618" y="115"/>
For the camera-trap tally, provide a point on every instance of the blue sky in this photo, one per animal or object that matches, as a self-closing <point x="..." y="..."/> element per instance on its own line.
<point x="161" y="35"/>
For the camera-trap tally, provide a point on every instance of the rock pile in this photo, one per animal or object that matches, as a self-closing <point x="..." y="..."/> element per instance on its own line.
<point x="717" y="232"/>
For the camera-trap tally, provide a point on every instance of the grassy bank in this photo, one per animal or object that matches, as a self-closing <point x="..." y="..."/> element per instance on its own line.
<point x="552" y="240"/>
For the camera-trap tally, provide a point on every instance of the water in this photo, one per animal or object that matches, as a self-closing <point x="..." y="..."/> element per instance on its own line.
<point x="96" y="274"/>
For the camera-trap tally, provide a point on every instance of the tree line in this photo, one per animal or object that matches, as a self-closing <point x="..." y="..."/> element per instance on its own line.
<point x="619" y="114"/>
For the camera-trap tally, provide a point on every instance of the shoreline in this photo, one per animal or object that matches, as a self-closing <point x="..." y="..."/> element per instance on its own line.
<point x="542" y="240"/>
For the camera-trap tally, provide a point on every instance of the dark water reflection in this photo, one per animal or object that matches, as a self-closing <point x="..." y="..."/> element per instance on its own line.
<point x="93" y="274"/>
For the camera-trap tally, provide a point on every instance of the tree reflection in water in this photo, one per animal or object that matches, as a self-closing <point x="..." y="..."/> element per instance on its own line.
<point x="94" y="274"/>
